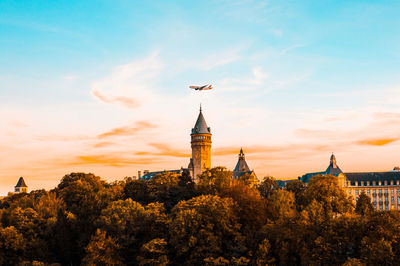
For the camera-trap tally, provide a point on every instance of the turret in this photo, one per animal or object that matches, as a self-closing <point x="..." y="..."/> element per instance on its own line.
<point x="201" y="147"/>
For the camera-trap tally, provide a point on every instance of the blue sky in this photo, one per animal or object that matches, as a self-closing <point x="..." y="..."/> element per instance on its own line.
<point x="287" y="75"/>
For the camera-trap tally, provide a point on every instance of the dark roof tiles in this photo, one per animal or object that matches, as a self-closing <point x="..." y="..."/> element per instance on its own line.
<point x="21" y="182"/>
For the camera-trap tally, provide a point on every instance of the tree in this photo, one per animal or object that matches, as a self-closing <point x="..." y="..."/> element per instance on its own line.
<point x="326" y="190"/>
<point x="133" y="225"/>
<point x="12" y="246"/>
<point x="268" y="186"/>
<point x="214" y="180"/>
<point x="364" y="205"/>
<point x="205" y="227"/>
<point x="102" y="250"/>
<point x="298" y="188"/>
<point x="281" y="205"/>
<point x="154" y="253"/>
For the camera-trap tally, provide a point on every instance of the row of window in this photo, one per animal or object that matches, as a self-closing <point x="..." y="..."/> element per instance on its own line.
<point x="374" y="192"/>
<point x="392" y="201"/>
<point x="375" y="183"/>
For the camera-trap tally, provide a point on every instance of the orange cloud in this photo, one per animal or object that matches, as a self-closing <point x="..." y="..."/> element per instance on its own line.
<point x="268" y="149"/>
<point x="377" y="142"/>
<point x="128" y="131"/>
<point x="124" y="101"/>
<point x="109" y="160"/>
<point x="165" y="150"/>
<point x="103" y="144"/>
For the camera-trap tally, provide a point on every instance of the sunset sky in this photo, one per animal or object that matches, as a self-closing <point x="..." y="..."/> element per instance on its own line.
<point x="103" y="86"/>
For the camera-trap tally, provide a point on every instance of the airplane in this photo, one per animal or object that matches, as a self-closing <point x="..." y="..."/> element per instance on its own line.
<point x="200" y="88"/>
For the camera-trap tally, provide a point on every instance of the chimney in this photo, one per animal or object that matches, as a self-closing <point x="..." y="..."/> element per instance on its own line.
<point x="139" y="174"/>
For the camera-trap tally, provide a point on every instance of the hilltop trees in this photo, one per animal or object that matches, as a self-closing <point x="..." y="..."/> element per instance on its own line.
<point x="169" y="220"/>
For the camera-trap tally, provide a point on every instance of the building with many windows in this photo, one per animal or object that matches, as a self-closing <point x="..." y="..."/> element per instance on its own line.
<point x="382" y="187"/>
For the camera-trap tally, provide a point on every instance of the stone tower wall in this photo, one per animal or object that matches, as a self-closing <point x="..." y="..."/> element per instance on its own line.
<point x="201" y="153"/>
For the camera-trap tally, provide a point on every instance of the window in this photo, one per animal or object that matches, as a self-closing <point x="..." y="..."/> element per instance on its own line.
<point x="398" y="191"/>
<point x="368" y="192"/>
<point x="357" y="192"/>
<point x="349" y="191"/>
<point x="356" y="183"/>
<point x="397" y="182"/>
<point x="362" y="183"/>
<point x="380" y="192"/>
<point x="387" y="207"/>
<point x="373" y="183"/>
<point x="398" y="200"/>
<point x="380" y="183"/>
<point x="391" y="182"/>
<point x="392" y="191"/>
<point x="385" y="182"/>
<point x="367" y="183"/>
<point x="392" y="199"/>
<point x="380" y="207"/>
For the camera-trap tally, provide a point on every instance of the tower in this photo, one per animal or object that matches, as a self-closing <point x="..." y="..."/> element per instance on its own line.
<point x="241" y="166"/>
<point x="21" y="187"/>
<point x="201" y="147"/>
<point x="333" y="168"/>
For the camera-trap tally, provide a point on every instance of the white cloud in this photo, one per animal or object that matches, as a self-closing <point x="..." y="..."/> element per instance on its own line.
<point x="129" y="83"/>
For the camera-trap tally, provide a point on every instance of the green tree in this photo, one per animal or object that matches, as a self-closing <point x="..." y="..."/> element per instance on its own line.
<point x="214" y="180"/>
<point x="298" y="188"/>
<point x="133" y="225"/>
<point x="268" y="186"/>
<point x="205" y="227"/>
<point x="102" y="250"/>
<point x="326" y="190"/>
<point x="154" y="252"/>
<point x="12" y="246"/>
<point x="364" y="205"/>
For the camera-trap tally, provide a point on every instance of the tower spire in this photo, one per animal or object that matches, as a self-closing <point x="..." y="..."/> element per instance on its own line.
<point x="200" y="107"/>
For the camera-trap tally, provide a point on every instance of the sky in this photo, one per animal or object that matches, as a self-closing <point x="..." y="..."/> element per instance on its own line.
<point x="103" y="86"/>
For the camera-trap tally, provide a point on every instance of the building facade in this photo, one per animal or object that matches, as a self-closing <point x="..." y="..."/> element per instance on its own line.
<point x="382" y="187"/>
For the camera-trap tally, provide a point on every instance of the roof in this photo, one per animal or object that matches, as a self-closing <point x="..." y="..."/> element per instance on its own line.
<point x="241" y="167"/>
<point x="333" y="168"/>
<point x="372" y="176"/>
<point x="150" y="175"/>
<point x="21" y="182"/>
<point x="201" y="126"/>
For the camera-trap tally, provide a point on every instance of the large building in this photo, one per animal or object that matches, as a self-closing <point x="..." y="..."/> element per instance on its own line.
<point x="382" y="187"/>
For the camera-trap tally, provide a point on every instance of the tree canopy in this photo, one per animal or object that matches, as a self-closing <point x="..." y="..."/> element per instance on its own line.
<point x="170" y="220"/>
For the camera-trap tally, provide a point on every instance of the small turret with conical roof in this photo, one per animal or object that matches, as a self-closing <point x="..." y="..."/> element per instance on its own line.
<point x="201" y="147"/>
<point x="333" y="168"/>
<point x="21" y="187"/>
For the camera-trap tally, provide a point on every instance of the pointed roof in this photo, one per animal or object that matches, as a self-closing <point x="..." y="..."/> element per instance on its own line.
<point x="241" y="165"/>
<point x="333" y="168"/>
<point x="201" y="126"/>
<point x="21" y="182"/>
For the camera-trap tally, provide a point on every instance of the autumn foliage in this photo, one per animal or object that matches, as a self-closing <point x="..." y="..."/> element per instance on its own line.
<point x="170" y="220"/>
